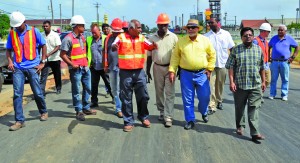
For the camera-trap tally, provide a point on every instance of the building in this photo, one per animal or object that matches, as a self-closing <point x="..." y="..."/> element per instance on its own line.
<point x="56" y="25"/>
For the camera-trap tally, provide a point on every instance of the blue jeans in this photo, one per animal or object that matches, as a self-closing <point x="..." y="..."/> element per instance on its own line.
<point x="282" y="68"/>
<point x="82" y="75"/>
<point x="115" y="87"/>
<point x="189" y="81"/>
<point x="18" y="84"/>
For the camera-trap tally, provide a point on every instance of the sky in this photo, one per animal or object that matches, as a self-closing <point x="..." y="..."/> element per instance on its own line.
<point x="146" y="11"/>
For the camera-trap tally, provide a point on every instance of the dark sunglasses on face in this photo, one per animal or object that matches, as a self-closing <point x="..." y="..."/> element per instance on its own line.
<point x="192" y="27"/>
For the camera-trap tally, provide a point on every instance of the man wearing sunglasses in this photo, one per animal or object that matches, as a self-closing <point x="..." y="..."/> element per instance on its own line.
<point x="196" y="56"/>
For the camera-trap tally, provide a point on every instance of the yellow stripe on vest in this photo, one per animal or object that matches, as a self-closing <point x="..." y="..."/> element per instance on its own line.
<point x="30" y="45"/>
<point x="76" y="46"/>
<point x="131" y="56"/>
<point x="78" y="56"/>
<point x="17" y="45"/>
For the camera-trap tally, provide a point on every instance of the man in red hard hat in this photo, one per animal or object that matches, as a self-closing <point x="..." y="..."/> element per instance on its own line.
<point x="164" y="89"/>
<point x="111" y="67"/>
<point x="125" y="26"/>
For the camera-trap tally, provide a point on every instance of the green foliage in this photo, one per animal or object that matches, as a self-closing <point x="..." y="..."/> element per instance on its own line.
<point x="294" y="25"/>
<point x="153" y="30"/>
<point x="4" y="25"/>
<point x="145" y="28"/>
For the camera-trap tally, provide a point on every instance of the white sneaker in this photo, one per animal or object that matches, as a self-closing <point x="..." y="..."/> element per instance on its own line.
<point x="284" y="98"/>
<point x="271" y="97"/>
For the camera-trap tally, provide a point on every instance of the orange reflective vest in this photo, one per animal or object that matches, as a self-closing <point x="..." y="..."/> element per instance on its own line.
<point x="264" y="48"/>
<point x="131" y="52"/>
<point x="105" y="57"/>
<point x="78" y="54"/>
<point x="28" y="47"/>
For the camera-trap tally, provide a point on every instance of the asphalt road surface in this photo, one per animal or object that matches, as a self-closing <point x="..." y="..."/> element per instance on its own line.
<point x="100" y="138"/>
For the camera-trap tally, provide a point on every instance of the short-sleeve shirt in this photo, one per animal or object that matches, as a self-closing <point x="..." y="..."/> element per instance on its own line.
<point x="40" y="41"/>
<point x="246" y="64"/>
<point x="52" y="41"/>
<point x="96" y="49"/>
<point x="222" y="42"/>
<point x="66" y="44"/>
<point x="281" y="49"/>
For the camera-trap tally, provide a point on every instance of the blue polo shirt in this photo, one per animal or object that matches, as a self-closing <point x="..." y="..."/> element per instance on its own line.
<point x="25" y="64"/>
<point x="281" y="49"/>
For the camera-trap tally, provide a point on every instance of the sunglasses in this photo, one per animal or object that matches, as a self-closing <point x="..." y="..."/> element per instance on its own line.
<point x="192" y="27"/>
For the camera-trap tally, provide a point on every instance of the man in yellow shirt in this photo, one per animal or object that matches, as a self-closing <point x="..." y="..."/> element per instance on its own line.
<point x="196" y="56"/>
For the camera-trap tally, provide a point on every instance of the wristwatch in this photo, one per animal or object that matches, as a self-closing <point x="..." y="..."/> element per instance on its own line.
<point x="43" y="61"/>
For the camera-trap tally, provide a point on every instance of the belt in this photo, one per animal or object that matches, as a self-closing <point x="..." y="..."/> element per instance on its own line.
<point x="280" y="60"/>
<point x="194" y="71"/>
<point x="164" y="65"/>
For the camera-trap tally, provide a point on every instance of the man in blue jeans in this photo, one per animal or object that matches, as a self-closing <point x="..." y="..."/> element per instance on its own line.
<point x="25" y="41"/>
<point x="281" y="58"/>
<point x="73" y="52"/>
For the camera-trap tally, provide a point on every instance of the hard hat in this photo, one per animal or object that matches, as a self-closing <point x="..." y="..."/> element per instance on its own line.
<point x="116" y="25"/>
<point x="77" y="19"/>
<point x="125" y="24"/>
<point x="16" y="19"/>
<point x="163" y="19"/>
<point x="265" y="27"/>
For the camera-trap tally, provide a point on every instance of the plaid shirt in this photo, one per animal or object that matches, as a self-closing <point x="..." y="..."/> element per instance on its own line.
<point x="246" y="64"/>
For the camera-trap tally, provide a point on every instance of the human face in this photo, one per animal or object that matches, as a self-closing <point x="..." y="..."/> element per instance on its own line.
<point x="21" y="28"/>
<point x="192" y="30"/>
<point x="247" y="37"/>
<point x="96" y="32"/>
<point x="106" y="30"/>
<point x="281" y="31"/>
<point x="80" y="28"/>
<point x="134" y="32"/>
<point x="213" y="24"/>
<point x="46" y="28"/>
<point x="163" y="28"/>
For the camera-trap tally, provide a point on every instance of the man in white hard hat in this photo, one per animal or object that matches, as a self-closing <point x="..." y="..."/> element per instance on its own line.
<point x="73" y="52"/>
<point x="24" y="41"/>
<point x="261" y="40"/>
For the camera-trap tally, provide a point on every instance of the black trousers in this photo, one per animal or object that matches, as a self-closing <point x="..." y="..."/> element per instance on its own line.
<point x="95" y="83"/>
<point x="55" y="67"/>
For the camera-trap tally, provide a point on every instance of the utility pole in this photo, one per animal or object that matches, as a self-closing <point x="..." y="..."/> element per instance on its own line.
<point x="52" y="11"/>
<point x="60" y="17"/>
<point x="234" y="22"/>
<point x="225" y="18"/>
<point x="281" y="19"/>
<point x="97" y="6"/>
<point x="197" y="10"/>
<point x="182" y="21"/>
<point x="72" y="7"/>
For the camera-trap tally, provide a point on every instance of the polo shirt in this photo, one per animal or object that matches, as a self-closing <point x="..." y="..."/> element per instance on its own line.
<point x="281" y="49"/>
<point x="52" y="41"/>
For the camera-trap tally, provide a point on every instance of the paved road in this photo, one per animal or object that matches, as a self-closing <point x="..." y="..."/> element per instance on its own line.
<point x="100" y="138"/>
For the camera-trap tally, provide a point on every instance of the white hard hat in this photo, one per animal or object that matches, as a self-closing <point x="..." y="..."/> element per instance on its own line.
<point x="77" y="19"/>
<point x="16" y="19"/>
<point x="265" y="27"/>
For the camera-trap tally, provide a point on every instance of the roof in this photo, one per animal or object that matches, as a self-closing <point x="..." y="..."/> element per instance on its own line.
<point x="40" y="21"/>
<point x="255" y="24"/>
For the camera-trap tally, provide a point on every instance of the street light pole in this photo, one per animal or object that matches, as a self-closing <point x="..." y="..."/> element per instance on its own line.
<point x="281" y="19"/>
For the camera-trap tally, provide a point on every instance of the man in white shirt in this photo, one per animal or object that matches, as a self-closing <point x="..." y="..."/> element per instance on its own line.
<point x="52" y="61"/>
<point x="222" y="42"/>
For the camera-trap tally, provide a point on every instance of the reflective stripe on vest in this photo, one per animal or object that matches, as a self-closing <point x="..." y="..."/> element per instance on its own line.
<point x="264" y="47"/>
<point x="29" y="45"/>
<point x="131" y="53"/>
<point x="105" y="57"/>
<point x="78" y="54"/>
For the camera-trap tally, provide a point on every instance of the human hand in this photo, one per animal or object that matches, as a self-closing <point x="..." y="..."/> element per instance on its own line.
<point x="172" y="77"/>
<point x="207" y="72"/>
<point x="39" y="67"/>
<point x="232" y="87"/>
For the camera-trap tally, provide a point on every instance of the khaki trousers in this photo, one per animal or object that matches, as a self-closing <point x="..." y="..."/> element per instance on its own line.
<point x="268" y="77"/>
<point x="217" y="81"/>
<point x="165" y="91"/>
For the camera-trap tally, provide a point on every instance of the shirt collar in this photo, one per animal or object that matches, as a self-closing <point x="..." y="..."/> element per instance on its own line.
<point x="219" y="32"/>
<point x="168" y="33"/>
<point x="197" y="38"/>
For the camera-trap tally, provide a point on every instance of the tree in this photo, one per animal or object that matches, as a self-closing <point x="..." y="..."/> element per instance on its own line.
<point x="4" y="25"/>
<point x="293" y="25"/>
<point x="145" y="28"/>
<point x="153" y="30"/>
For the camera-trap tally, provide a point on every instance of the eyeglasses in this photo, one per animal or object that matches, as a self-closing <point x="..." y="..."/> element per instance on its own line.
<point x="250" y="35"/>
<point x="191" y="27"/>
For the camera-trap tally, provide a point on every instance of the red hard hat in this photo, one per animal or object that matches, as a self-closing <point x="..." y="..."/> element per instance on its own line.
<point x="125" y="24"/>
<point x="116" y="24"/>
<point x="163" y="19"/>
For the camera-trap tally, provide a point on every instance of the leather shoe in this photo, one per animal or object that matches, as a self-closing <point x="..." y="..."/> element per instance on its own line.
<point x="257" y="137"/>
<point x="146" y="123"/>
<point x="189" y="125"/>
<point x="220" y="106"/>
<point x="128" y="128"/>
<point x="239" y="131"/>
<point x="205" y="118"/>
<point x="210" y="112"/>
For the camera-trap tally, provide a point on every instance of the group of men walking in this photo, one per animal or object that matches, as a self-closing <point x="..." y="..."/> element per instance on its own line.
<point x="203" y="60"/>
